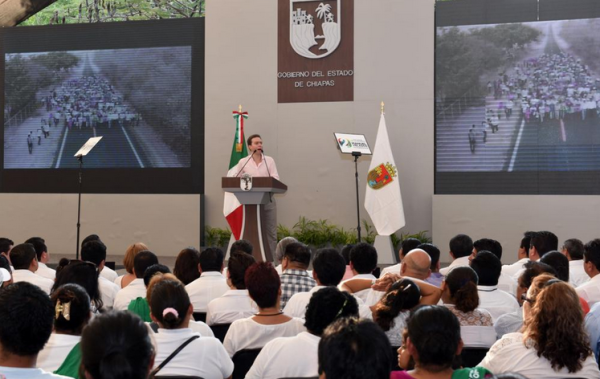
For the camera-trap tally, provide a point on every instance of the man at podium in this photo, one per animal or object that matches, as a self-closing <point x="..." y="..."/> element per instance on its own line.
<point x="258" y="164"/>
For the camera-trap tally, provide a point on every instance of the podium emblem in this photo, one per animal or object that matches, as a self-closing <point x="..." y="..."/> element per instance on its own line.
<point x="246" y="182"/>
<point x="315" y="23"/>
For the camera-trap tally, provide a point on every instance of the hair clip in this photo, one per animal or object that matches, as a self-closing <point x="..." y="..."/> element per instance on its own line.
<point x="341" y="309"/>
<point x="170" y="310"/>
<point x="407" y="287"/>
<point x="64" y="309"/>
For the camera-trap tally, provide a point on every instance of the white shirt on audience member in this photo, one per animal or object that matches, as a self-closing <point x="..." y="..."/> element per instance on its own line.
<point x="296" y="305"/>
<point x="232" y="305"/>
<point x="209" y="286"/>
<point x="109" y="274"/>
<point x="509" y="323"/>
<point x="395" y="269"/>
<point x="28" y="373"/>
<point x="204" y="356"/>
<point x="108" y="292"/>
<point x="364" y="293"/>
<point x="52" y="356"/>
<point x="577" y="274"/>
<point x="510" y="354"/>
<point x="249" y="334"/>
<point x="27" y="276"/>
<point x="507" y="284"/>
<point x="45" y="271"/>
<point x="512" y="269"/>
<point x="196" y="326"/>
<point x="280" y="358"/>
<point x="496" y="301"/>
<point x="462" y="261"/>
<point x="133" y="290"/>
<point x="590" y="290"/>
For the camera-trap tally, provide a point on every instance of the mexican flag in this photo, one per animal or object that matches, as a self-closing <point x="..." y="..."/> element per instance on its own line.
<point x="232" y="209"/>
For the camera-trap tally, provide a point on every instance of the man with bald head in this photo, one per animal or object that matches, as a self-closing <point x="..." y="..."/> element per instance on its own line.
<point x="416" y="264"/>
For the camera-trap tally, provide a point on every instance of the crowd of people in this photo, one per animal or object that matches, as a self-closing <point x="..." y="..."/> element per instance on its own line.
<point x="326" y="314"/>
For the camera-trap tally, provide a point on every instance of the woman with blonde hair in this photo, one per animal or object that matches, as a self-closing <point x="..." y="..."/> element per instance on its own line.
<point x="553" y="342"/>
<point x="133" y="250"/>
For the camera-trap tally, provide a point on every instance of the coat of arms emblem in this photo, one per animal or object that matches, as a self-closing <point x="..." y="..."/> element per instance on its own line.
<point x="310" y="26"/>
<point x="381" y="175"/>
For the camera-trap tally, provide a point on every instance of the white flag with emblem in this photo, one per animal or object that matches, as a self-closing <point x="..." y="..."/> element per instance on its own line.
<point x="383" y="200"/>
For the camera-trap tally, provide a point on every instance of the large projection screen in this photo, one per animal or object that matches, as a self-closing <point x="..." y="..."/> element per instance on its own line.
<point x="139" y="85"/>
<point x="517" y="98"/>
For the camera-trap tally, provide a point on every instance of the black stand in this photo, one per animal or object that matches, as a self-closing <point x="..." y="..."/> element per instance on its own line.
<point x="357" y="154"/>
<point x="80" y="159"/>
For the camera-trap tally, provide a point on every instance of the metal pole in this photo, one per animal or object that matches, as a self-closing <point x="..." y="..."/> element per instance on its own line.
<point x="80" y="158"/>
<point x="356" y="154"/>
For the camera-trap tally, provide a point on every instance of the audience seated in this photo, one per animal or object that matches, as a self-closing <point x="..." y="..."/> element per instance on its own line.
<point x="107" y="273"/>
<point x="354" y="349"/>
<point x="505" y="282"/>
<point x="295" y="277"/>
<point x="43" y="257"/>
<point x="171" y="309"/>
<point x="26" y="317"/>
<point x="139" y="305"/>
<point x="95" y="252"/>
<point x="24" y="260"/>
<point x="435" y="277"/>
<point x="589" y="291"/>
<point x="573" y="250"/>
<point x="264" y="287"/>
<point x="559" y="263"/>
<point x="136" y="288"/>
<point x="211" y="283"/>
<point x="6" y="246"/>
<point x="280" y="250"/>
<point x="128" y="261"/>
<point x="522" y="257"/>
<point x="84" y="274"/>
<point x="405" y="246"/>
<point x="71" y="314"/>
<point x="540" y="243"/>
<point x="433" y="342"/>
<point x="346" y="254"/>
<point x="488" y="268"/>
<point x="5" y="275"/>
<point x="187" y="265"/>
<point x="236" y="302"/>
<point x="460" y="295"/>
<point x="363" y="260"/>
<point x="553" y="342"/>
<point x="116" y="345"/>
<point x="513" y="322"/>
<point x="461" y="247"/>
<point x="279" y="358"/>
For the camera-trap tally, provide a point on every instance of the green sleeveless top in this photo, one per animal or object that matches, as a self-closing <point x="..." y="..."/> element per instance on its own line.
<point x="471" y="373"/>
<point x="70" y="366"/>
<point x="140" y="307"/>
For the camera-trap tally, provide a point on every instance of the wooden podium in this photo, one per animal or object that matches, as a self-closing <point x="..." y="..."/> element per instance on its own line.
<point x="253" y="201"/>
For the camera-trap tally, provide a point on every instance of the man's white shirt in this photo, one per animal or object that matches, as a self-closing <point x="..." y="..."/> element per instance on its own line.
<point x="108" y="292"/>
<point x="27" y="276"/>
<point x="232" y="305"/>
<point x="109" y="274"/>
<point x="395" y="269"/>
<point x="133" y="290"/>
<point x="209" y="286"/>
<point x="462" y="261"/>
<point x="577" y="274"/>
<point x="362" y="295"/>
<point x="45" y="271"/>
<point x="512" y="269"/>
<point x="590" y="290"/>
<point x="496" y="301"/>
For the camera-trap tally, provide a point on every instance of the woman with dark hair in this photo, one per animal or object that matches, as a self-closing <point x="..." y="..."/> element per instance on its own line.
<point x="433" y="342"/>
<point x="86" y="275"/>
<point x="187" y="265"/>
<point x="116" y="345"/>
<point x="71" y="314"/>
<point x="553" y="342"/>
<point x="459" y="294"/>
<point x="264" y="287"/>
<point x="392" y="310"/>
<point x="280" y="359"/>
<point x="171" y="309"/>
<point x="235" y="303"/>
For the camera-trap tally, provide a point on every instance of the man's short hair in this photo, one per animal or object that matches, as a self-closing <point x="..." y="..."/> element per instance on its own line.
<point x="526" y="241"/>
<point x="346" y="252"/>
<point x="153" y="270"/>
<point x="355" y="349"/>
<point x="91" y="237"/>
<point x="237" y="265"/>
<point x="409" y="244"/>
<point x="39" y="244"/>
<point x="142" y="261"/>
<point x="488" y="268"/>
<point x="490" y="245"/>
<point x="94" y="251"/>
<point x="22" y="255"/>
<point x="461" y="245"/>
<point x="242" y="246"/>
<point x="544" y="242"/>
<point x="212" y="259"/>
<point x="5" y="245"/>
<point x="27" y="317"/>
<point x="253" y="136"/>
<point x="575" y="248"/>
<point x="433" y="251"/>
<point x="298" y="253"/>
<point x="327" y="305"/>
<point x="329" y="266"/>
<point x="591" y="253"/>
<point x="559" y="262"/>
<point x="533" y="269"/>
<point x="363" y="258"/>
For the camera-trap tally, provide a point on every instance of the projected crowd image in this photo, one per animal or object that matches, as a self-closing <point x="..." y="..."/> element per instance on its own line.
<point x="518" y="97"/>
<point x="138" y="100"/>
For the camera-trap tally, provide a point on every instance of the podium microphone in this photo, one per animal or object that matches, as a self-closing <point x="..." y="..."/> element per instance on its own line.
<point x="265" y="160"/>
<point x="242" y="169"/>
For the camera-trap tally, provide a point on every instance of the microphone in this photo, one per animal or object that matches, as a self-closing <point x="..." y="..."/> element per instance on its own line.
<point x="242" y="169"/>
<point x="266" y="164"/>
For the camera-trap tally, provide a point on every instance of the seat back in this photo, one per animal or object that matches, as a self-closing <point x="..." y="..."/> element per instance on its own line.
<point x="472" y="356"/>
<point x="200" y="316"/>
<point x="478" y="336"/>
<point x="220" y="330"/>
<point x="242" y="361"/>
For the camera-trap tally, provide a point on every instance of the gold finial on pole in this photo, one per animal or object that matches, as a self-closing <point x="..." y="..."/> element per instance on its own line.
<point x="382" y="107"/>
<point x="240" y="108"/>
